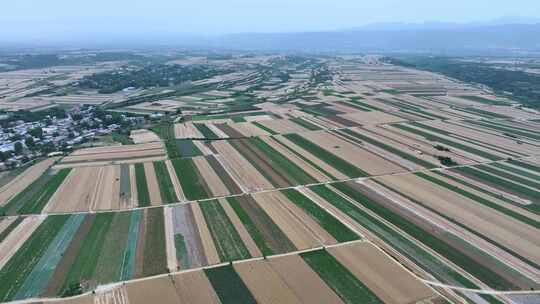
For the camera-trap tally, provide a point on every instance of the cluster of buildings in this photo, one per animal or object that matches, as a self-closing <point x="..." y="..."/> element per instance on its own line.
<point x="23" y="141"/>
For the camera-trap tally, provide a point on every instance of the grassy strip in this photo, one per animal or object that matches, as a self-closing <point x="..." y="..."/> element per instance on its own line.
<point x="10" y="228"/>
<point x="205" y="130"/>
<point x="189" y="179"/>
<point x="406" y="247"/>
<point x="517" y="171"/>
<point x="129" y="251"/>
<point x="512" y="177"/>
<point x="142" y="187"/>
<point x="252" y="229"/>
<point x="483" y="113"/>
<point x="166" y="187"/>
<point x="85" y="263"/>
<point x="34" y="197"/>
<point x="390" y="149"/>
<point x="331" y="159"/>
<point x="155" y="253"/>
<point x="172" y="149"/>
<point x="305" y="124"/>
<point x="166" y="132"/>
<point x="258" y="124"/>
<point x="526" y="165"/>
<point x="505" y="129"/>
<point x="457" y="145"/>
<point x="349" y="288"/>
<point x="499" y="182"/>
<point x="487" y="276"/>
<point x="229" y="286"/>
<point x="354" y="106"/>
<point x="17" y="269"/>
<point x="336" y="228"/>
<point x="356" y="100"/>
<point x="481" y="200"/>
<point x="293" y="172"/>
<point x="228" y="242"/>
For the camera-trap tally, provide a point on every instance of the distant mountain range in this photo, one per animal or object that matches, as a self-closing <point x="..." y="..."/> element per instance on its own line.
<point x="496" y="37"/>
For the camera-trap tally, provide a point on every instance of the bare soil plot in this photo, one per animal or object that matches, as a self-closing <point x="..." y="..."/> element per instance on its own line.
<point x="193" y="287"/>
<point x="186" y="131"/>
<point x="172" y="262"/>
<point x="282" y="126"/>
<point x="273" y="204"/>
<point x="264" y="283"/>
<point x="373" y="117"/>
<point x="302" y="280"/>
<point x="208" y="245"/>
<point x="214" y="182"/>
<point x="240" y="168"/>
<point x="515" y="235"/>
<point x="387" y="279"/>
<point x="115" y="154"/>
<point x="248" y="129"/>
<point x="225" y="177"/>
<point x="153" y="187"/>
<point x="174" y="179"/>
<point x="148" y="291"/>
<point x="143" y="136"/>
<point x="24" y="179"/>
<point x="77" y="192"/>
<point x="369" y="162"/>
<point x="188" y="243"/>
<point x="108" y="189"/>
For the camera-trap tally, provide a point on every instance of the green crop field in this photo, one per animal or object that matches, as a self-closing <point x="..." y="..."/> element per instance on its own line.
<point x="229" y="286"/>
<point x="166" y="187"/>
<point x="228" y="243"/>
<point x="342" y="281"/>
<point x="13" y="274"/>
<point x="295" y="174"/>
<point x="336" y="228"/>
<point x="155" y="255"/>
<point x="143" y="195"/>
<point x="252" y="229"/>
<point x="188" y="176"/>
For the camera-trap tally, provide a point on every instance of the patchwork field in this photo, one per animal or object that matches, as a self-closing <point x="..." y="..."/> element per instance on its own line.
<point x="294" y="180"/>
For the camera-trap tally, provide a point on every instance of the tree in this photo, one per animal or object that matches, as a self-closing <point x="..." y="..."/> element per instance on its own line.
<point x="36" y="132"/>
<point x="18" y="148"/>
<point x="29" y="141"/>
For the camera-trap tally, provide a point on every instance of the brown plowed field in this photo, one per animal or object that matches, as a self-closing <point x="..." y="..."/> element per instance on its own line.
<point x="148" y="291"/>
<point x="295" y="230"/>
<point x="194" y="288"/>
<point x="387" y="279"/>
<point x="208" y="244"/>
<point x="517" y="236"/>
<point x="242" y="170"/>
<point x="264" y="283"/>
<point x="303" y="281"/>
<point x="153" y="187"/>
<point x="217" y="188"/>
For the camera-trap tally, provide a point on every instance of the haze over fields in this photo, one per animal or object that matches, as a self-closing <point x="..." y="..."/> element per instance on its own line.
<point x="426" y="24"/>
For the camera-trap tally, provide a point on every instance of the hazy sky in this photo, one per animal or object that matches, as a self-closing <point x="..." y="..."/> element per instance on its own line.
<point x="56" y="18"/>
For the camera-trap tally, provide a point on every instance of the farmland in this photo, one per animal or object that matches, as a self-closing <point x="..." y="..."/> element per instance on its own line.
<point x="373" y="184"/>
